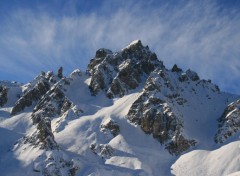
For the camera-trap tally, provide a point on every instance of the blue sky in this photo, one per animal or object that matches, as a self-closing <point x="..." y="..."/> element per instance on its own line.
<point x="203" y="35"/>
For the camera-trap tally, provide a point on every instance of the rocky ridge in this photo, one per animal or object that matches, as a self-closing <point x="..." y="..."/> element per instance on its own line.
<point x="33" y="91"/>
<point x="156" y="110"/>
<point x="229" y="122"/>
<point x="117" y="73"/>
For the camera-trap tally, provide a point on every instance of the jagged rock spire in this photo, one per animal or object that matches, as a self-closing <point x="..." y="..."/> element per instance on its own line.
<point x="60" y="74"/>
<point x="117" y="73"/>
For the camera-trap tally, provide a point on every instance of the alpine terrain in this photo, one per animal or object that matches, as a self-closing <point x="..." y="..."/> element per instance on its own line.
<point x="127" y="114"/>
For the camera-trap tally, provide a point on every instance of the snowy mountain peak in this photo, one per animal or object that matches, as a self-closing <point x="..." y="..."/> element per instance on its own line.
<point x="135" y="42"/>
<point x="117" y="73"/>
<point x="126" y="115"/>
<point x="135" y="45"/>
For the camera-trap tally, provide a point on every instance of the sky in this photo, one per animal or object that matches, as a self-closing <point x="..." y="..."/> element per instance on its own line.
<point x="42" y="35"/>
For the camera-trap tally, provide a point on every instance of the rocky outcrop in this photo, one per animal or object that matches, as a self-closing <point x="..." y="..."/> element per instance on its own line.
<point x="176" y="69"/>
<point x="229" y="122"/>
<point x="117" y="73"/>
<point x="47" y="94"/>
<point x="60" y="72"/>
<point x="55" y="163"/>
<point x="179" y="144"/>
<point x="31" y="96"/>
<point x="153" y="113"/>
<point x="192" y="75"/>
<point x="102" y="150"/>
<point x="155" y="117"/>
<point x="42" y="136"/>
<point x="159" y="109"/>
<point x="3" y="95"/>
<point x="110" y="126"/>
<point x="52" y="104"/>
<point x="189" y="75"/>
<point x="34" y="91"/>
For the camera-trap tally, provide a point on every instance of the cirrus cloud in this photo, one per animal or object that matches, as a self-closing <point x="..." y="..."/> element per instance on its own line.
<point x="200" y="35"/>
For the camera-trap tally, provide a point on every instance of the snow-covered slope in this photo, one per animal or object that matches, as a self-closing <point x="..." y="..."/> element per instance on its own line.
<point x="222" y="161"/>
<point x="126" y="115"/>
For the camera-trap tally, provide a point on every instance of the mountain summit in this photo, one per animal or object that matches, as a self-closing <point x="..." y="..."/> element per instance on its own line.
<point x="127" y="114"/>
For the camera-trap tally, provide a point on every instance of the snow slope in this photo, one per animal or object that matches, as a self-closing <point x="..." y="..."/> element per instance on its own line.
<point x="131" y="146"/>
<point x="222" y="161"/>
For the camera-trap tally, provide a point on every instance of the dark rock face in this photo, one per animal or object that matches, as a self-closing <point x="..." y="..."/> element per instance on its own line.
<point x="176" y="69"/>
<point x="3" y="95"/>
<point x="179" y="145"/>
<point x="192" y="75"/>
<point x="112" y="126"/>
<point x="53" y="103"/>
<point x="60" y="72"/>
<point x="229" y="122"/>
<point x="152" y="112"/>
<point x="34" y="91"/>
<point x="189" y="75"/>
<point x="43" y="136"/>
<point x="31" y="96"/>
<point x="156" y="117"/>
<point x="46" y="92"/>
<point x="116" y="73"/>
<point x="101" y="53"/>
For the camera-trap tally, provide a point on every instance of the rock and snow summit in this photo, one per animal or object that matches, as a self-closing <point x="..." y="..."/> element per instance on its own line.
<point x="127" y="114"/>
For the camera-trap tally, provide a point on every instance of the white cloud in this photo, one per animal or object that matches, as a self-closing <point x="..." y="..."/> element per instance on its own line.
<point x="193" y="34"/>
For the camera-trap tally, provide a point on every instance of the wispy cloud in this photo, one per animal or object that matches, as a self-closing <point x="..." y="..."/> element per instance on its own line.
<point x="194" y="34"/>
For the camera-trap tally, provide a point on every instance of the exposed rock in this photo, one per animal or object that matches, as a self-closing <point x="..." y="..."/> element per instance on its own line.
<point x="110" y="126"/>
<point x="117" y="73"/>
<point x="183" y="77"/>
<point x="3" y="95"/>
<point x="176" y="69"/>
<point x="53" y="103"/>
<point x="101" y="53"/>
<point x="179" y="144"/>
<point x="102" y="150"/>
<point x="34" y="91"/>
<point x="55" y="163"/>
<point x="189" y="75"/>
<point x="42" y="136"/>
<point x="60" y="74"/>
<point x="192" y="75"/>
<point x="31" y="96"/>
<point x="156" y="117"/>
<point x="153" y="113"/>
<point x="229" y="122"/>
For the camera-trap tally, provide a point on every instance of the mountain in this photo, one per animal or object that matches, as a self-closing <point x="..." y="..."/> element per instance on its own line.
<point x="127" y="114"/>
